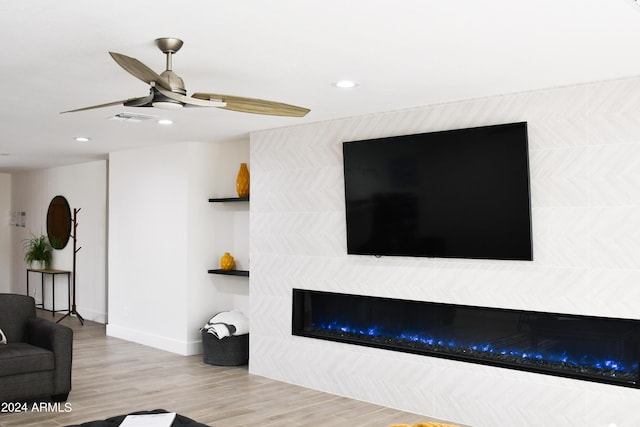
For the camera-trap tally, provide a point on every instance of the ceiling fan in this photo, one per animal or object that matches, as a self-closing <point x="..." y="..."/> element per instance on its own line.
<point x="167" y="89"/>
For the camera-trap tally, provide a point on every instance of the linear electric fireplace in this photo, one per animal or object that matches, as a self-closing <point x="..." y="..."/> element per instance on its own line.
<point x="582" y="347"/>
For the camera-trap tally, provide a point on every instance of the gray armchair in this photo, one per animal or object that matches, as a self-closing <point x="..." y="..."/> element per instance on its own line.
<point x="36" y="361"/>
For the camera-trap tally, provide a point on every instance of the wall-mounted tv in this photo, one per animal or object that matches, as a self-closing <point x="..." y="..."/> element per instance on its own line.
<point x="460" y="193"/>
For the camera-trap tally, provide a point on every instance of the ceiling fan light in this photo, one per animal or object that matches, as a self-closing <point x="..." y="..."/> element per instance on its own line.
<point x="167" y="105"/>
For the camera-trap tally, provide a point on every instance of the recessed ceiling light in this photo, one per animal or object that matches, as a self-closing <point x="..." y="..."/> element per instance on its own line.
<point x="345" y="84"/>
<point x="82" y="139"/>
<point x="165" y="122"/>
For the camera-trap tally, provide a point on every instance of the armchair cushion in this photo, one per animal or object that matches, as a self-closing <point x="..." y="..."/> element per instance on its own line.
<point x="19" y="358"/>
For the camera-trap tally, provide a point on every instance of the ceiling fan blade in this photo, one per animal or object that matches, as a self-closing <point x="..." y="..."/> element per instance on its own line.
<point x="191" y="101"/>
<point x="144" y="101"/>
<point x="139" y="70"/>
<point x="131" y="102"/>
<point x="254" y="105"/>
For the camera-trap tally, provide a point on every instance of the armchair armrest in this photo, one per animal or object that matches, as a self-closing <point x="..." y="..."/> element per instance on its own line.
<point x="58" y="339"/>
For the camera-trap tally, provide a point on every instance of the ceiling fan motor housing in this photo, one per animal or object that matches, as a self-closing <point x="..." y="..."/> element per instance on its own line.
<point x="175" y="81"/>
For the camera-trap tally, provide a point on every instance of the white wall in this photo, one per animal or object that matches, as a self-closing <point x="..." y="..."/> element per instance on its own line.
<point x="85" y="188"/>
<point x="5" y="233"/>
<point x="164" y="236"/>
<point x="585" y="173"/>
<point x="214" y="229"/>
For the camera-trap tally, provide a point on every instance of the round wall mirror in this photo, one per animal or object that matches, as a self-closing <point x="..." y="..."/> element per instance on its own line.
<point x="59" y="222"/>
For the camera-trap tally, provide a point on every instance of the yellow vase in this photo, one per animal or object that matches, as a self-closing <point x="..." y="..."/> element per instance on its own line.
<point x="227" y="262"/>
<point x="242" y="181"/>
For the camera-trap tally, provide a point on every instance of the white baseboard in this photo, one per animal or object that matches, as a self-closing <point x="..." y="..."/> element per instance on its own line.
<point x="92" y="315"/>
<point x="182" y="348"/>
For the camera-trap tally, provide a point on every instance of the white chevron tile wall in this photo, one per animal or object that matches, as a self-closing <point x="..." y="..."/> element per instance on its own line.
<point x="584" y="146"/>
<point x="614" y="290"/>
<point x="614" y="175"/>
<point x="559" y="177"/>
<point x="614" y="112"/>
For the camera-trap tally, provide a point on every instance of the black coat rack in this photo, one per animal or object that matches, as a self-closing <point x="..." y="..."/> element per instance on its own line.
<point x="75" y="251"/>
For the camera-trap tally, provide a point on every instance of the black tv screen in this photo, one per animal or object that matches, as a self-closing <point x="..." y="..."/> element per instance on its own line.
<point x="454" y="194"/>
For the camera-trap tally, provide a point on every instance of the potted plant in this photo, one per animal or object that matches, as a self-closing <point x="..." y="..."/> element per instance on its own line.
<point x="38" y="248"/>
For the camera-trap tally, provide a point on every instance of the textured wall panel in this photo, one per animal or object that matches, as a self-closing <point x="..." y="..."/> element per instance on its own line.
<point x="489" y="396"/>
<point x="584" y="146"/>
<point x="614" y="175"/>
<point x="559" y="177"/>
<point x="614" y="112"/>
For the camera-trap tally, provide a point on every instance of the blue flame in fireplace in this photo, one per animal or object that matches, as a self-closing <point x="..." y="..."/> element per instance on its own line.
<point x="488" y="350"/>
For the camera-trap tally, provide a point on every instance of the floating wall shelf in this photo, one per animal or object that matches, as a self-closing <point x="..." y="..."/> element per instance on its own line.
<point x="242" y="273"/>
<point x="229" y="199"/>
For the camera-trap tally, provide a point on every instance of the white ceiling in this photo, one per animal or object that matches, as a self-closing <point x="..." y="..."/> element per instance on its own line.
<point x="402" y="53"/>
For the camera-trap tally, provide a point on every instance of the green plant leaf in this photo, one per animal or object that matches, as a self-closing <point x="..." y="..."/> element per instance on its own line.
<point x="38" y="248"/>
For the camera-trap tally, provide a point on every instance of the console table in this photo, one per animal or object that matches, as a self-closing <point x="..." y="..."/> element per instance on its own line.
<point x="53" y="273"/>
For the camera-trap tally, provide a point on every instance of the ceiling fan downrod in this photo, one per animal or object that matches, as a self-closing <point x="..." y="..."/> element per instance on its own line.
<point x="169" y="46"/>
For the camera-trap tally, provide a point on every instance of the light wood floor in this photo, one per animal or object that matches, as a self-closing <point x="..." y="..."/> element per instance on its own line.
<point x="113" y="377"/>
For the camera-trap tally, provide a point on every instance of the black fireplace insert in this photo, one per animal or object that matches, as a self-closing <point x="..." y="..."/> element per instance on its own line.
<point x="588" y="348"/>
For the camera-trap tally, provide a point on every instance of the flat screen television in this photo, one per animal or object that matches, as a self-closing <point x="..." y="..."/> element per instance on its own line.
<point x="460" y="193"/>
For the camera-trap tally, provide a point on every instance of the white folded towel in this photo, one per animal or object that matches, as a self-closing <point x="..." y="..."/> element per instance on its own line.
<point x="227" y="323"/>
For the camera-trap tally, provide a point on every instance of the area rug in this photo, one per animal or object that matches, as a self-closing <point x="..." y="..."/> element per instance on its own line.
<point x="180" y="421"/>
